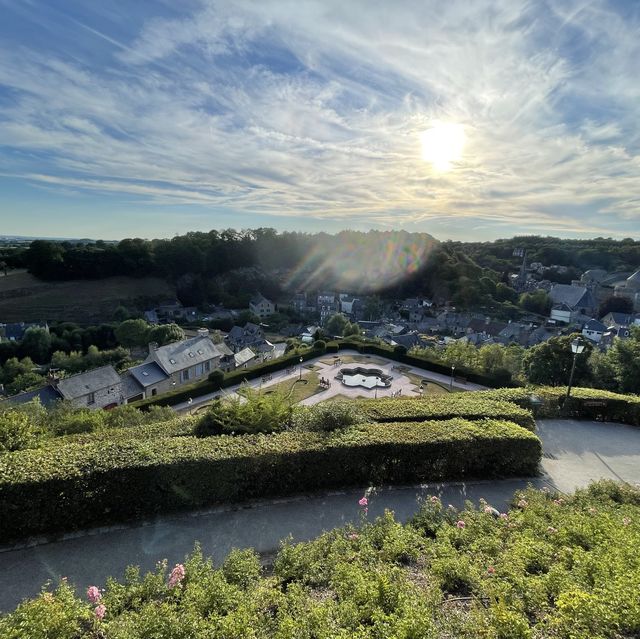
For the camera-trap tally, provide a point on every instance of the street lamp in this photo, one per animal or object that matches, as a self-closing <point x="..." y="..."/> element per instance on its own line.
<point x="300" y="368"/>
<point x="577" y="346"/>
<point x="453" y="368"/>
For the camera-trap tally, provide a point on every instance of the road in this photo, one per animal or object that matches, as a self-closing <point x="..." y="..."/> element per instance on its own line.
<point x="575" y="453"/>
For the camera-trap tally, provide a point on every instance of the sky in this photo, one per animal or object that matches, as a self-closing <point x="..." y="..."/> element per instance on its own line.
<point x="150" y="119"/>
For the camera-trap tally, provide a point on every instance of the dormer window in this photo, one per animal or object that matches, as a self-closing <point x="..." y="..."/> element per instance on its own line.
<point x="173" y="361"/>
<point x="191" y="355"/>
<point x="145" y="373"/>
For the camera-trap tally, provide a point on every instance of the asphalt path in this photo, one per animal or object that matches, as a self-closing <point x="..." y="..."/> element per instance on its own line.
<point x="575" y="453"/>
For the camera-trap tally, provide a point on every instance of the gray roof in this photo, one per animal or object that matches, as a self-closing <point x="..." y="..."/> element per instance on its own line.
<point x="595" y="325"/>
<point x="130" y="386"/>
<point x="147" y="374"/>
<point x="572" y="296"/>
<point x="189" y="352"/>
<point x="47" y="396"/>
<point x="224" y="349"/>
<point x="244" y="356"/>
<point x="88" y="382"/>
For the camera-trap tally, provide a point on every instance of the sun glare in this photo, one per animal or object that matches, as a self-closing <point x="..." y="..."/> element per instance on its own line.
<point x="442" y="145"/>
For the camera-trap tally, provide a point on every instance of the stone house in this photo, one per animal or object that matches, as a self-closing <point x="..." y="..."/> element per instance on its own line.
<point x="99" y="388"/>
<point x="261" y="306"/>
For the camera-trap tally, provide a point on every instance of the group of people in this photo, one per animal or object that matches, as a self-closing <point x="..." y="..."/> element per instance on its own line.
<point x="325" y="383"/>
<point x="396" y="393"/>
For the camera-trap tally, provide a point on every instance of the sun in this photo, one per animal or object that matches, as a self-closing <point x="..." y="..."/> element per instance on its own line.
<point x="442" y="145"/>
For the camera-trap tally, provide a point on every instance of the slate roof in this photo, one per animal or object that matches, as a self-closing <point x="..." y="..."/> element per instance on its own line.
<point x="130" y="386"/>
<point x="47" y="396"/>
<point x="595" y="325"/>
<point x="259" y="298"/>
<point x="244" y="356"/>
<point x="177" y="356"/>
<point x="147" y="374"/>
<point x="223" y="349"/>
<point x="623" y="319"/>
<point x="88" y="382"/>
<point x="572" y="296"/>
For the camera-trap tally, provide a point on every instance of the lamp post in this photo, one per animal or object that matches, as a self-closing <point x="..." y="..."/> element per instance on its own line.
<point x="453" y="369"/>
<point x="577" y="346"/>
<point x="300" y="369"/>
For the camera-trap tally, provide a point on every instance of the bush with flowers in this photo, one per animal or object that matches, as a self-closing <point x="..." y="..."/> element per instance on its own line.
<point x="499" y="577"/>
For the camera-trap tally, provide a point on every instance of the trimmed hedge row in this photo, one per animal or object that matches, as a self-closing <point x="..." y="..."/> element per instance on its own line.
<point x="584" y="403"/>
<point x="230" y="379"/>
<point x="80" y="485"/>
<point x="464" y="405"/>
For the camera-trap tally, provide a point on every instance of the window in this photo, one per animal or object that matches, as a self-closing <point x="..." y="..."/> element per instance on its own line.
<point x="207" y="367"/>
<point x="191" y="355"/>
<point x="199" y="370"/>
<point x="173" y="361"/>
<point x="154" y="391"/>
<point x="91" y="398"/>
<point x="184" y="375"/>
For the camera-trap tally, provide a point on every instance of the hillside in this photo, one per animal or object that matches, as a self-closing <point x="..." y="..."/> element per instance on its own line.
<point x="24" y="297"/>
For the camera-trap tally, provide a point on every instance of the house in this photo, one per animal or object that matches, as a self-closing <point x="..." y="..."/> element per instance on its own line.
<point x="608" y="337"/>
<point x="46" y="395"/>
<point x="349" y="305"/>
<point x="561" y="313"/>
<point x="175" y="364"/>
<point x="14" y="332"/>
<point x="408" y="340"/>
<point x="246" y="357"/>
<point x="578" y="299"/>
<point x="261" y="306"/>
<point x="594" y="330"/>
<point x="240" y="337"/>
<point x="98" y="388"/>
<point x="326" y="306"/>
<point x="299" y="303"/>
<point x="618" y="319"/>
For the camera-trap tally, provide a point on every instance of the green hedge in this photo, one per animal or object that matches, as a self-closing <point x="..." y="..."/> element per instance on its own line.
<point x="584" y="403"/>
<point x="464" y="405"/>
<point x="80" y="485"/>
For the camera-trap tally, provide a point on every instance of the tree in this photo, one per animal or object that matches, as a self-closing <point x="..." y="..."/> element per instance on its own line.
<point x="550" y="362"/>
<point x="133" y="332"/>
<point x="624" y="357"/>
<point x="537" y="302"/>
<point x="165" y="334"/>
<point x="336" y="324"/>
<point x="615" y="304"/>
<point x="121" y="314"/>
<point x="36" y="344"/>
<point x="505" y="293"/>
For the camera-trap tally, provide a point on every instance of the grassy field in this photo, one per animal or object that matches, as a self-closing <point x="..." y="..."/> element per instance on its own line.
<point x="26" y="298"/>
<point x="299" y="391"/>
<point x="430" y="388"/>
<point x="356" y="359"/>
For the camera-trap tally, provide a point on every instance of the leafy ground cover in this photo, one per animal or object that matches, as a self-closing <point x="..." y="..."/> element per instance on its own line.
<point x="554" y="566"/>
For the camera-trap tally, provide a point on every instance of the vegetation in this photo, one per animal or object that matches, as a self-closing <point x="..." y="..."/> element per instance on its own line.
<point x="95" y="481"/>
<point x="553" y="566"/>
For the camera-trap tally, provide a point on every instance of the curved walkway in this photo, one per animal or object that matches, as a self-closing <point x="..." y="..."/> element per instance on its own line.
<point x="401" y="381"/>
<point x="575" y="453"/>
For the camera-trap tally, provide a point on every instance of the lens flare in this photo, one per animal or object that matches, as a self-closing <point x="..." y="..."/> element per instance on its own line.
<point x="361" y="262"/>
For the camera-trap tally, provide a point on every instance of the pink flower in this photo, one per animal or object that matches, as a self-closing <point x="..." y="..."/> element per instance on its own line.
<point x="504" y="516"/>
<point x="558" y="502"/>
<point x="626" y="521"/>
<point x="522" y="503"/>
<point x="100" y="611"/>
<point x="363" y="502"/>
<point x="491" y="570"/>
<point x="93" y="594"/>
<point x="434" y="500"/>
<point x="551" y="530"/>
<point x="592" y="511"/>
<point x="177" y="575"/>
<point x="460" y="524"/>
<point x="353" y="536"/>
<point x="488" y="510"/>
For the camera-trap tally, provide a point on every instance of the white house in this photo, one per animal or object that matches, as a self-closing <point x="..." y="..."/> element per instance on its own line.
<point x="594" y="330"/>
<point x="261" y="306"/>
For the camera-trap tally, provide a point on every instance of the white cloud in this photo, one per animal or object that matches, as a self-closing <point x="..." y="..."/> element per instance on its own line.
<point x="315" y="109"/>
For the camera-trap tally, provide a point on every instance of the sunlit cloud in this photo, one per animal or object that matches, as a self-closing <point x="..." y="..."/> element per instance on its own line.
<point x="328" y="111"/>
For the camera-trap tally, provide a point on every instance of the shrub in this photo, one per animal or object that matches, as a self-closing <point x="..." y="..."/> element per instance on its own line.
<point x="76" y="485"/>
<point x="17" y="431"/>
<point x="320" y="346"/>
<point x="327" y="416"/>
<point x="216" y="378"/>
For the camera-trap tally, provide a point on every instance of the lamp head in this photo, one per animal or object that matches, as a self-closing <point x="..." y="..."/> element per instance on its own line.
<point x="577" y="346"/>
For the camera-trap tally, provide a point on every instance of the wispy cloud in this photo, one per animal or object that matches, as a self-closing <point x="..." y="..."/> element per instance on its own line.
<point x="284" y="108"/>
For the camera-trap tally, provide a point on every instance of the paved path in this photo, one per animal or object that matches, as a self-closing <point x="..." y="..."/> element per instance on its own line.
<point x="575" y="454"/>
<point x="400" y="381"/>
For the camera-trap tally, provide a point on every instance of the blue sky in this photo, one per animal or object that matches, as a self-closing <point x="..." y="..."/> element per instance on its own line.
<point x="121" y="119"/>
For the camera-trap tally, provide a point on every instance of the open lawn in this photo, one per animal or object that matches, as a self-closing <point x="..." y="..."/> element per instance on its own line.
<point x="299" y="390"/>
<point x="430" y="388"/>
<point x="356" y="359"/>
<point x="26" y="298"/>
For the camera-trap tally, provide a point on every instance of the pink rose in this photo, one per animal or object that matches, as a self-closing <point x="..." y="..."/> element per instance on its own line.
<point x="177" y="575"/>
<point x="93" y="594"/>
<point x="353" y="536"/>
<point x="491" y="570"/>
<point x="434" y="500"/>
<point x="522" y="503"/>
<point x="363" y="502"/>
<point x="504" y="516"/>
<point x="460" y="524"/>
<point x="100" y="611"/>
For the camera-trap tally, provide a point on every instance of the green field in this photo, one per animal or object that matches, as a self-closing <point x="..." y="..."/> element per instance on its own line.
<point x="26" y="298"/>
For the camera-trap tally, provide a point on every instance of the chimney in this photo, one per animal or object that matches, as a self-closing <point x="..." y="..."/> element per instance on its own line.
<point x="203" y="332"/>
<point x="153" y="346"/>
